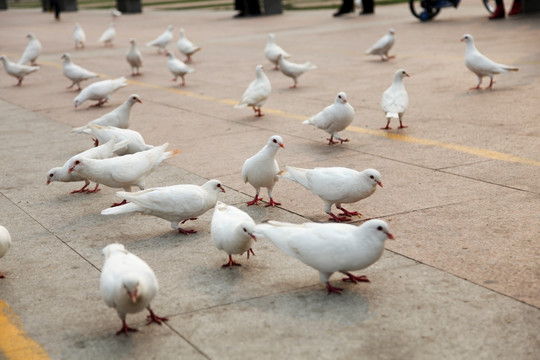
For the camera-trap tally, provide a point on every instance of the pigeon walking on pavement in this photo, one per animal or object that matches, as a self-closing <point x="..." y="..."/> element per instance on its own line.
<point x="334" y="118"/>
<point x="177" y="68"/>
<point x="293" y="70"/>
<point x="383" y="46"/>
<point x="103" y="134"/>
<point x="79" y="37"/>
<point x="261" y="170"/>
<point x="99" y="91"/>
<point x="330" y="248"/>
<point x="75" y="73"/>
<point x="5" y="244"/>
<point x="62" y="173"/>
<point x="257" y="92"/>
<point x="272" y="50"/>
<point x="336" y="185"/>
<point x="134" y="58"/>
<point x="186" y="47"/>
<point x="18" y="71"/>
<point x="119" y="117"/>
<point x="162" y="40"/>
<point x="480" y="64"/>
<point x="395" y="100"/>
<point x="232" y="231"/>
<point x="31" y="52"/>
<point x="128" y="285"/>
<point x="108" y="36"/>
<point x="122" y="171"/>
<point x="177" y="203"/>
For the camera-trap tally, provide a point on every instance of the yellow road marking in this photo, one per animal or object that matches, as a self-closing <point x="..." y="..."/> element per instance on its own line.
<point x="15" y="344"/>
<point x="485" y="153"/>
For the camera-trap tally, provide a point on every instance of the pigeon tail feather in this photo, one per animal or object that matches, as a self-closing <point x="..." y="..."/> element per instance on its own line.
<point x="122" y="209"/>
<point x="394" y="115"/>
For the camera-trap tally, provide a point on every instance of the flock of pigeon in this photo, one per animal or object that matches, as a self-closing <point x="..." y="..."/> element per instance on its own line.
<point x="122" y="159"/>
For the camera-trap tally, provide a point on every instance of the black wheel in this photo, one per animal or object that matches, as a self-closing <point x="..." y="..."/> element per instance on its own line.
<point x="423" y="10"/>
<point x="490" y="5"/>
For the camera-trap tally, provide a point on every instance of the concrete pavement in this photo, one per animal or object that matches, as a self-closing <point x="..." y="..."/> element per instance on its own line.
<point x="461" y="190"/>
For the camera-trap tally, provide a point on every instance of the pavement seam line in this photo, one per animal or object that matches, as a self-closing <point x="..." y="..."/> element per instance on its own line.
<point x="485" y="153"/>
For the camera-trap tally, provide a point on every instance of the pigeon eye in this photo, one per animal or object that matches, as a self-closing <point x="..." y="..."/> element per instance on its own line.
<point x="371" y="176"/>
<point x="379" y="228"/>
<point x="77" y="162"/>
<point x="274" y="140"/>
<point x="244" y="229"/>
<point x="51" y="175"/>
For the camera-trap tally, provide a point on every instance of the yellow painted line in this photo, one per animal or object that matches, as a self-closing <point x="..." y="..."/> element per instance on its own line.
<point x="485" y="153"/>
<point x="15" y="344"/>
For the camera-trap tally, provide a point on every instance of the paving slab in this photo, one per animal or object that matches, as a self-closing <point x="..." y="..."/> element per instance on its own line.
<point x="460" y="189"/>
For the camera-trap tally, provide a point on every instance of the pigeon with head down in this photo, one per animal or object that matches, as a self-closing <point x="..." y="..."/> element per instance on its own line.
<point x="162" y="40"/>
<point x="330" y="248"/>
<point x="99" y="91"/>
<point x="177" y="203"/>
<point x="128" y="285"/>
<point x="294" y="70"/>
<point x="336" y="185"/>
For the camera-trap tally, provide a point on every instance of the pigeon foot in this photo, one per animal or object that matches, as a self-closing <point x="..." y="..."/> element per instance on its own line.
<point x="250" y="250"/>
<point x="272" y="203"/>
<point x="255" y="201"/>
<point x="154" y="318"/>
<point x="349" y="213"/>
<point x="337" y="218"/>
<point x="231" y="263"/>
<point x="355" y="279"/>
<point x="186" y="232"/>
<point x="125" y="329"/>
<point x="332" y="289"/>
<point x="123" y="202"/>
<point x="83" y="189"/>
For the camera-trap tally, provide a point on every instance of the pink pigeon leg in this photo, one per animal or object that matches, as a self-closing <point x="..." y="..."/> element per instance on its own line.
<point x="255" y="200"/>
<point x="231" y="263"/>
<point x="95" y="190"/>
<point x="125" y="329"/>
<point x="331" y="140"/>
<point x="332" y="289"/>
<point x="186" y="232"/>
<point x="272" y="203"/>
<point x="347" y="212"/>
<point x="250" y="250"/>
<point x="337" y="218"/>
<point x="355" y="279"/>
<point x="81" y="189"/>
<point x="123" y="202"/>
<point x="154" y="318"/>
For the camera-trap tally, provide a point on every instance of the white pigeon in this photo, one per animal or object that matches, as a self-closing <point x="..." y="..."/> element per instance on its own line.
<point x="186" y="47"/>
<point x="119" y="117"/>
<point x="162" y="40"/>
<point x="128" y="285"/>
<point x="177" y="203"/>
<point x="5" y="244"/>
<point x="261" y="170"/>
<point x="272" y="50"/>
<point x="294" y="70"/>
<point x="100" y="152"/>
<point x="108" y="36"/>
<point x="115" y="14"/>
<point x="480" y="64"/>
<point x="103" y="134"/>
<point x="330" y="248"/>
<point x="395" y="100"/>
<point x="257" y="92"/>
<point x="18" y="71"/>
<point x="79" y="37"/>
<point x="74" y="72"/>
<point x="232" y="231"/>
<point x="334" y="118"/>
<point x="336" y="185"/>
<point x="134" y="58"/>
<point x="177" y="67"/>
<point x="122" y="171"/>
<point x="383" y="46"/>
<point x="99" y="91"/>
<point x="32" y="51"/>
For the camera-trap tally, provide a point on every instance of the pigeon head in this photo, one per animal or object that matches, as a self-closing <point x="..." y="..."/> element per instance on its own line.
<point x="169" y="54"/>
<point x="401" y="73"/>
<point x="65" y="57"/>
<point x="379" y="228"/>
<point x="77" y="101"/>
<point x="271" y="38"/>
<point x="391" y="31"/>
<point x="341" y="98"/>
<point x="259" y="70"/>
<point x="214" y="185"/>
<point x="276" y="141"/>
<point x="52" y="175"/>
<point x="132" y="41"/>
<point x="131" y="285"/>
<point x="467" y="38"/>
<point x="30" y="36"/>
<point x="133" y="98"/>
<point x="181" y="31"/>
<point x="374" y="177"/>
<point x="75" y="164"/>
<point x="247" y="229"/>
<point x="113" y="248"/>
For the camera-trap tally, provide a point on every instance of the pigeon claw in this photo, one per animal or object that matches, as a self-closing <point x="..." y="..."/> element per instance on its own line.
<point x="332" y="289"/>
<point x="338" y="218"/>
<point x="255" y="201"/>
<point x="83" y="189"/>
<point x="186" y="232"/>
<point x="349" y="213"/>
<point x="125" y="329"/>
<point x="95" y="190"/>
<point x="272" y="203"/>
<point x="355" y="279"/>
<point x="250" y="250"/>
<point x="154" y="318"/>
<point x="123" y="202"/>
<point x="231" y="263"/>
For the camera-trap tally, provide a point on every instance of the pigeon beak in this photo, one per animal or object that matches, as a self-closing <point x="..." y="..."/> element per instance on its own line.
<point x="133" y="296"/>
<point x="390" y="236"/>
<point x="139" y="100"/>
<point x="461" y="40"/>
<point x="253" y="237"/>
<point x="283" y="146"/>
<point x="48" y="182"/>
<point x="379" y="183"/>
<point x="222" y="189"/>
<point x="407" y="75"/>
<point x="344" y="100"/>
<point x="70" y="170"/>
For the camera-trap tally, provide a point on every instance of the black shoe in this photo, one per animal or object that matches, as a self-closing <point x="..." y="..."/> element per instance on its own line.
<point x="239" y="15"/>
<point x="341" y="12"/>
<point x="365" y="12"/>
